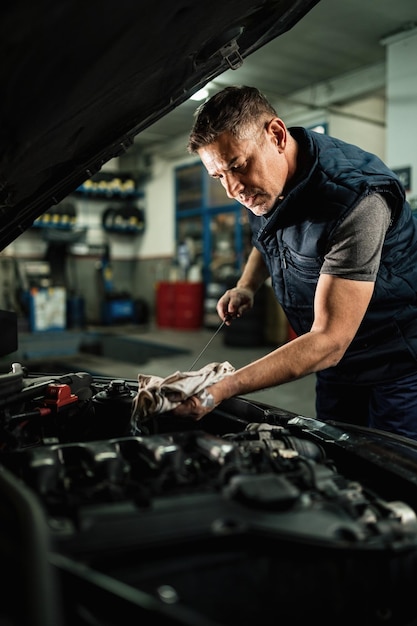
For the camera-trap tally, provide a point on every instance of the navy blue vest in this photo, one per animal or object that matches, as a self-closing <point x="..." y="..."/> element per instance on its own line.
<point x="296" y="235"/>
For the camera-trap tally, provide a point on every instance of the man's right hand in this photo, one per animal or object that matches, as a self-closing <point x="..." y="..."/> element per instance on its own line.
<point x="234" y="303"/>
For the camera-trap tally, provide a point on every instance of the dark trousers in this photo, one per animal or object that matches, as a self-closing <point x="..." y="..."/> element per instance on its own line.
<point x="390" y="406"/>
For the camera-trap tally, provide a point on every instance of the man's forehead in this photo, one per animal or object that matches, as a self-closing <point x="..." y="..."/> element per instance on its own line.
<point x="223" y="154"/>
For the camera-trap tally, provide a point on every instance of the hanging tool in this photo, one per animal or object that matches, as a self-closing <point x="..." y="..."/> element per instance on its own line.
<point x="227" y="318"/>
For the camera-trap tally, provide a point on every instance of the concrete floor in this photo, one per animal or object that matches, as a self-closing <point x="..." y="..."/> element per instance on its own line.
<point x="297" y="396"/>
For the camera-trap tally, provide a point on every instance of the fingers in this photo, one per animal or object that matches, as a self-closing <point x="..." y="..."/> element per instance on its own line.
<point x="234" y="303"/>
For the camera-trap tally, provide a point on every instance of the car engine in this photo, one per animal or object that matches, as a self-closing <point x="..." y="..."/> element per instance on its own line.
<point x="252" y="514"/>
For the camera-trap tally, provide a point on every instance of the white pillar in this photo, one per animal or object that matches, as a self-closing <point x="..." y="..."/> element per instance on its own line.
<point x="401" y="91"/>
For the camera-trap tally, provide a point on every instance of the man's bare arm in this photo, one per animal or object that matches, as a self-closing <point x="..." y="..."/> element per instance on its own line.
<point x="340" y="305"/>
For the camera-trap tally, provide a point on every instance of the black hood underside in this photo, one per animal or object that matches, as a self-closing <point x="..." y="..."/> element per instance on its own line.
<point x="81" y="79"/>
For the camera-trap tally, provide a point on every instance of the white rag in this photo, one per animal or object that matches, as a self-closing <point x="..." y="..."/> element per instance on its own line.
<point x="157" y="395"/>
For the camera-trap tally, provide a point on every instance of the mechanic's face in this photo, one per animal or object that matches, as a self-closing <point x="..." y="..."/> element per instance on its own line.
<point x="253" y="171"/>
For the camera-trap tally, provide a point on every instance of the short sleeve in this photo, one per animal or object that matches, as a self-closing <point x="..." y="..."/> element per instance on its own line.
<point x="356" y="248"/>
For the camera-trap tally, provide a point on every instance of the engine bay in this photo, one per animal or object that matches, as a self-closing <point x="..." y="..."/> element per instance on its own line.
<point x="227" y="520"/>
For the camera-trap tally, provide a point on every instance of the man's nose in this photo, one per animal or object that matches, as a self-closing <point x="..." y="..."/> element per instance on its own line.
<point x="232" y="184"/>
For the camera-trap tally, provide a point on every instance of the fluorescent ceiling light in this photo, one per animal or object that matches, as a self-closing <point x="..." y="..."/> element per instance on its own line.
<point x="201" y="94"/>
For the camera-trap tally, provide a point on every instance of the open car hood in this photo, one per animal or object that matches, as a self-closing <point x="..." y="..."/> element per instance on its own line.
<point x="80" y="80"/>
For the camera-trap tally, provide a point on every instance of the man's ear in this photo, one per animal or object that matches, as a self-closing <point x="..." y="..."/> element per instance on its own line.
<point x="278" y="131"/>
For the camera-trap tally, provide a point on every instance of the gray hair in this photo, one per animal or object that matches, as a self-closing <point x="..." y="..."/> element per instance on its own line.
<point x="237" y="110"/>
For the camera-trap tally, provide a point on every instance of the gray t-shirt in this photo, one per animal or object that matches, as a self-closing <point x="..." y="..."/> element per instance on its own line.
<point x="356" y="251"/>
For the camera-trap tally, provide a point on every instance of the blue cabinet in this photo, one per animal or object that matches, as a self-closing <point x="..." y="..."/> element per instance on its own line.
<point x="214" y="228"/>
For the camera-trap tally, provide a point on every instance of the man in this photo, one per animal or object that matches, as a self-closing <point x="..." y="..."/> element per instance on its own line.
<point x="332" y="228"/>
